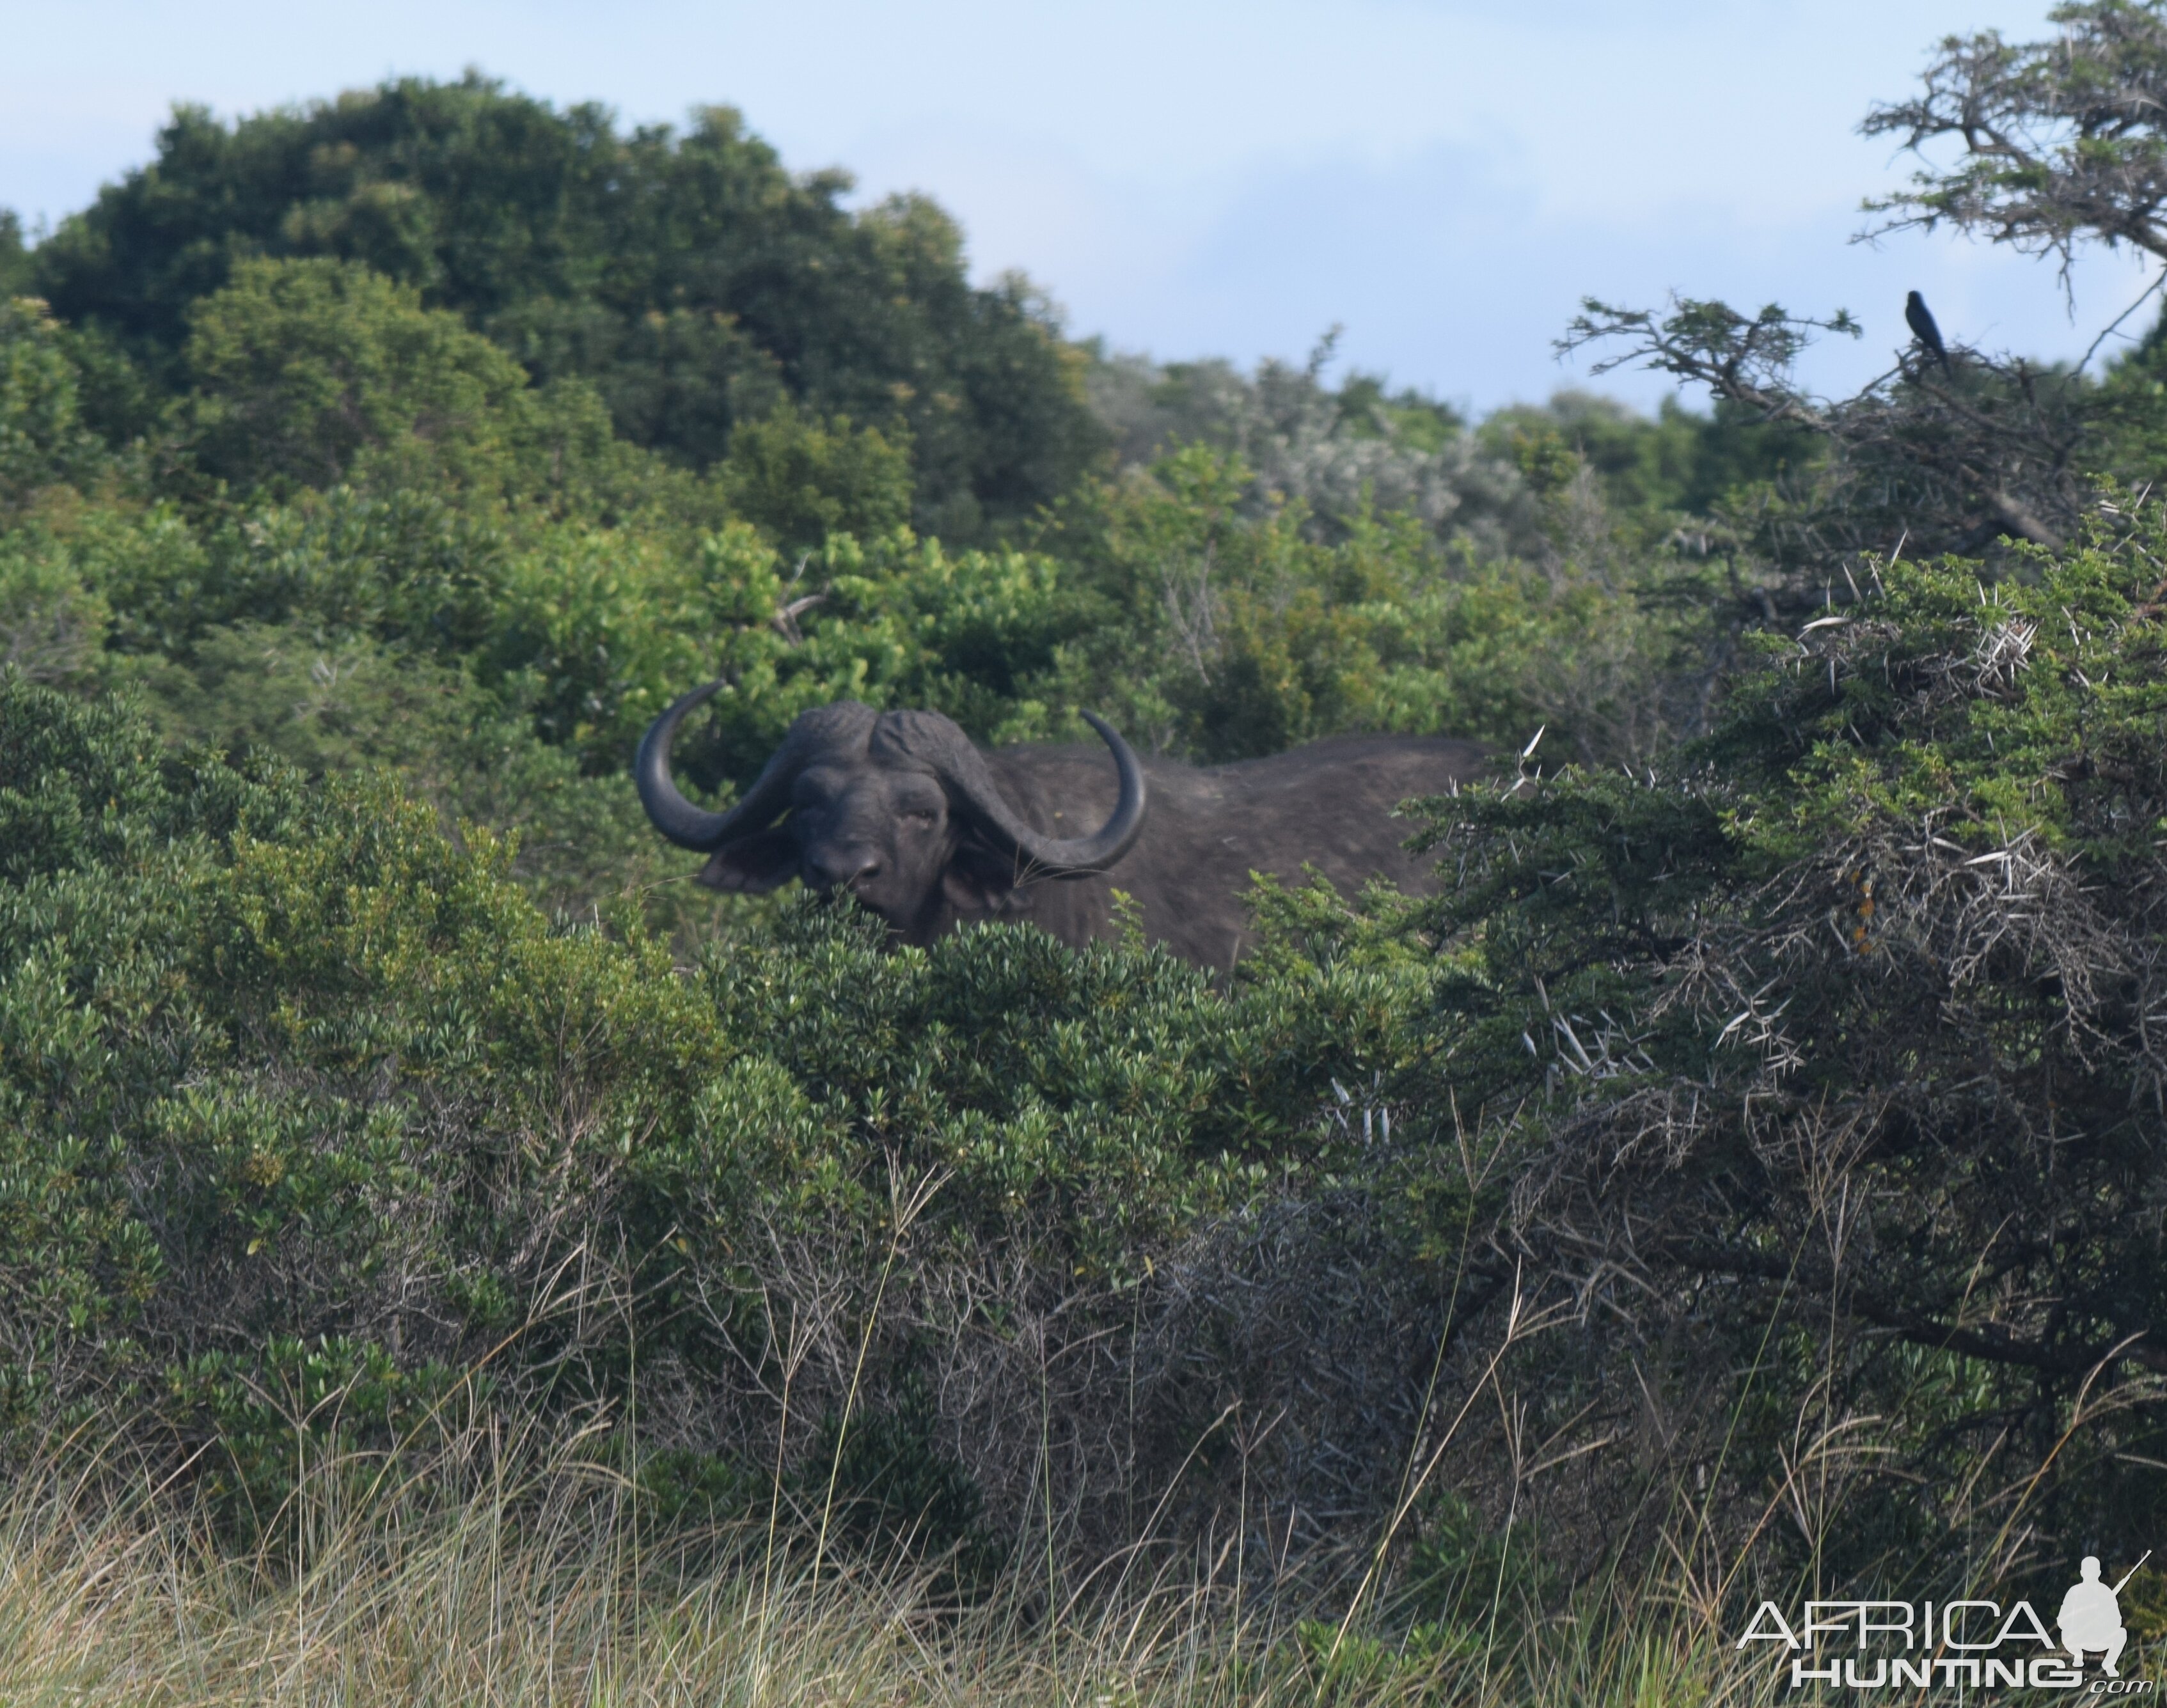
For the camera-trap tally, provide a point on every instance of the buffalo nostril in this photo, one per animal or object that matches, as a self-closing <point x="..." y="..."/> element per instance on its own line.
<point x="844" y="871"/>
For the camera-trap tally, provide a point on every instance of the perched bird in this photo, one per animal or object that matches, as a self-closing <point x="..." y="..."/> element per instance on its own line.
<point x="1921" y="320"/>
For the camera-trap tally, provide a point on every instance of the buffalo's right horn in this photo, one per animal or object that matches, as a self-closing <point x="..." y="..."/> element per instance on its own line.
<point x="967" y="775"/>
<point x="671" y="813"/>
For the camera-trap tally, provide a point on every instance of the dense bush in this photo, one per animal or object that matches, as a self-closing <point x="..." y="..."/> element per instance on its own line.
<point x="1815" y="1071"/>
<point x="317" y="1127"/>
<point x="355" y="485"/>
<point x="1230" y="636"/>
<point x="1761" y="1118"/>
<point x="43" y="441"/>
<point x="1829" y="1056"/>
<point x="312" y="373"/>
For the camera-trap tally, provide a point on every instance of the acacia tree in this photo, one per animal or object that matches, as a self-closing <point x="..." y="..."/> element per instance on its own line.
<point x="2065" y="141"/>
<point x="1838" y="1055"/>
<point x="1949" y="460"/>
<point x="1831" y="1063"/>
<point x="2061" y="143"/>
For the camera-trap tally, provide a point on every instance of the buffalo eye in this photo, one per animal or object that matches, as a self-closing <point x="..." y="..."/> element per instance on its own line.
<point x="921" y="817"/>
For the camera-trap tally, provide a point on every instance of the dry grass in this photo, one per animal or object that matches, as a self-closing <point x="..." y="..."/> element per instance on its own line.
<point x="541" y="1589"/>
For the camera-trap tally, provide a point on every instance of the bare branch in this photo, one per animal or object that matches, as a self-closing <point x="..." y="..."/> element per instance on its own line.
<point x="1952" y="459"/>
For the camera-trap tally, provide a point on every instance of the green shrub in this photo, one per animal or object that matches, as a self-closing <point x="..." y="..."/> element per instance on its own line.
<point x="1225" y="637"/>
<point x="43" y="441"/>
<point x="799" y="481"/>
<point x="52" y="626"/>
<point x="316" y="373"/>
<point x="313" y="1121"/>
<point x="1830" y="1045"/>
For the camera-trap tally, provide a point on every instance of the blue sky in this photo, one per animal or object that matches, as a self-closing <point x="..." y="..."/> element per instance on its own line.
<point x="1443" y="178"/>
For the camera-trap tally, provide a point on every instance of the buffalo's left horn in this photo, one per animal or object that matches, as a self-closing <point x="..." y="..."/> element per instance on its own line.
<point x="1056" y="857"/>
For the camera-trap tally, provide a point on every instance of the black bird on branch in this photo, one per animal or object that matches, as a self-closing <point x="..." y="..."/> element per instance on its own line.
<point x="1921" y="320"/>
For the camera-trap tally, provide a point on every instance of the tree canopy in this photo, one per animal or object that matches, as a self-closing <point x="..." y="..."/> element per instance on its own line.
<point x="689" y="277"/>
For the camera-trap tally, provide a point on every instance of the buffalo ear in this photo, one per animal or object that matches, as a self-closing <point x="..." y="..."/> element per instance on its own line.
<point x="980" y="884"/>
<point x="752" y="865"/>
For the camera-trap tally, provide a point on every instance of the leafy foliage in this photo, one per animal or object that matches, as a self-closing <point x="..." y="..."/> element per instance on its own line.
<point x="1334" y="453"/>
<point x="14" y="255"/>
<point x="1229" y="637"/>
<point x="43" y="441"/>
<point x="1771" y="1087"/>
<point x="2062" y="139"/>
<point x="689" y="278"/>
<point x="313" y="373"/>
<point x="800" y="481"/>
<point x="1954" y="457"/>
<point x="1841" y="1030"/>
<point x="308" y="1110"/>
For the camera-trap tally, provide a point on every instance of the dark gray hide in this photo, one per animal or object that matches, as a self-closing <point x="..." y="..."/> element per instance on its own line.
<point x="929" y="832"/>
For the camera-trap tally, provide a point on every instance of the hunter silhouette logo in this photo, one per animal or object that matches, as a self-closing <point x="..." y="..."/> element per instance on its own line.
<point x="1966" y="1645"/>
<point x="2091" y="1615"/>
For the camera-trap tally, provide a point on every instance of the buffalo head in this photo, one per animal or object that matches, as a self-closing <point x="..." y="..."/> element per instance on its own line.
<point x="898" y="808"/>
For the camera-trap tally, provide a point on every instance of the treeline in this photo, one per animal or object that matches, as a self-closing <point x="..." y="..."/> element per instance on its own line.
<point x="695" y="285"/>
<point x="433" y="427"/>
<point x="1761" y="1119"/>
<point x="690" y="280"/>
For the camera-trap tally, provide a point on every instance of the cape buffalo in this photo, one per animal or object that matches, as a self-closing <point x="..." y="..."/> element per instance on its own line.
<point x="929" y="832"/>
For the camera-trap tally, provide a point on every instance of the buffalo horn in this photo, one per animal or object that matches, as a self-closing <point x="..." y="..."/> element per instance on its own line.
<point x="677" y="818"/>
<point x="967" y="773"/>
